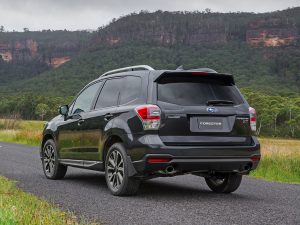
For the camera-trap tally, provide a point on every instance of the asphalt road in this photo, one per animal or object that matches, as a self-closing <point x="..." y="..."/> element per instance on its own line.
<point x="177" y="200"/>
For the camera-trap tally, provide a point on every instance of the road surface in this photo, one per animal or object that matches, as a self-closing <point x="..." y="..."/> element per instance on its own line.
<point x="177" y="200"/>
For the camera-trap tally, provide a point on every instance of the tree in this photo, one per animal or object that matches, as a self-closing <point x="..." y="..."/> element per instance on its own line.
<point x="26" y="29"/>
<point x="41" y="110"/>
<point x="208" y="10"/>
<point x="293" y="116"/>
<point x="1" y="28"/>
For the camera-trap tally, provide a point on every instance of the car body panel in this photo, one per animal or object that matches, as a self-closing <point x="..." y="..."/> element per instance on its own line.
<point x="189" y="148"/>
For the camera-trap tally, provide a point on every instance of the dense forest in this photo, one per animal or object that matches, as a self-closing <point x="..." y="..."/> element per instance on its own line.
<point x="41" y="70"/>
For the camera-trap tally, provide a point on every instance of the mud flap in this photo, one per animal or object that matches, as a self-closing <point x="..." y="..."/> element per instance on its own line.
<point x="131" y="170"/>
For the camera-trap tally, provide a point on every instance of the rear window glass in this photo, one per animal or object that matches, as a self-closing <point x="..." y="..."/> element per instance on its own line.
<point x="131" y="89"/>
<point x="189" y="93"/>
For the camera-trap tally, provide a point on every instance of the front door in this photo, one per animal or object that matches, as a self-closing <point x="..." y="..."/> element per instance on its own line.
<point x="70" y="131"/>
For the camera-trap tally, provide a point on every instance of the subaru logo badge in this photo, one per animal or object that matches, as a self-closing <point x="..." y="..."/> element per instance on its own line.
<point x="211" y="109"/>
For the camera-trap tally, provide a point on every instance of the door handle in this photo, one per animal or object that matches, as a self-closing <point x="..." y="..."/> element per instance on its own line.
<point x="108" y="116"/>
<point x="81" y="121"/>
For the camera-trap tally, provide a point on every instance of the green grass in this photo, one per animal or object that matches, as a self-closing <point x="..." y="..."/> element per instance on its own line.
<point x="280" y="157"/>
<point x="21" y="131"/>
<point x="280" y="160"/>
<point x="18" y="207"/>
<point x="32" y="124"/>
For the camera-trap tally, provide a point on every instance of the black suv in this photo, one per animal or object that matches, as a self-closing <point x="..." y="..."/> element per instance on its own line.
<point x="137" y="123"/>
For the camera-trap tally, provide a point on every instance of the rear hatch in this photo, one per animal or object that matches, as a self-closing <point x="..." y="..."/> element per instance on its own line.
<point x="202" y="109"/>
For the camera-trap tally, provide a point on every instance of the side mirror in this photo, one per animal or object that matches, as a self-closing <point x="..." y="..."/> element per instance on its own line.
<point x="63" y="110"/>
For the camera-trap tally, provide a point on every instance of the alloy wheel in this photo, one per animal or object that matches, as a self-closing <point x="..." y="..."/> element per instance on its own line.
<point x="49" y="159"/>
<point x="115" y="170"/>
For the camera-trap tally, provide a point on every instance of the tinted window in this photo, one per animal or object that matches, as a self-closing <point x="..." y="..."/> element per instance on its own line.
<point x="109" y="93"/>
<point x="84" y="101"/>
<point x="197" y="93"/>
<point x="131" y="90"/>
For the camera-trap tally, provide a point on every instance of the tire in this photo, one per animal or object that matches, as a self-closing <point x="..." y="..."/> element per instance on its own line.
<point x="226" y="184"/>
<point x="116" y="172"/>
<point x="52" y="168"/>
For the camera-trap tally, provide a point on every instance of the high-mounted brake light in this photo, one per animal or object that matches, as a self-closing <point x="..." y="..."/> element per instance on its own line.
<point x="252" y="113"/>
<point x="149" y="115"/>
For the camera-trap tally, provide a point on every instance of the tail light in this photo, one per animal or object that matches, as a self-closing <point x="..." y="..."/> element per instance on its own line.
<point x="252" y="113"/>
<point x="149" y="115"/>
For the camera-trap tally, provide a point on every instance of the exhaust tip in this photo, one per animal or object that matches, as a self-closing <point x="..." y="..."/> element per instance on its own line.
<point x="170" y="169"/>
<point x="248" y="167"/>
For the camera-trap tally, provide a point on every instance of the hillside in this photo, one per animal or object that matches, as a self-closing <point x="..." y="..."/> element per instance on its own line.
<point x="261" y="50"/>
<point x="248" y="65"/>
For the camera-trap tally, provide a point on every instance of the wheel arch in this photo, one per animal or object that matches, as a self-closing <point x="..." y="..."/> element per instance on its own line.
<point x="47" y="136"/>
<point x="112" y="139"/>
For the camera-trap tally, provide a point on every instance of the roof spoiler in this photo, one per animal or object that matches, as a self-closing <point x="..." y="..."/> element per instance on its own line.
<point x="227" y="78"/>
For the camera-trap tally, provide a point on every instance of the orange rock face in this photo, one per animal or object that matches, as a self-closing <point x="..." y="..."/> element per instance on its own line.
<point x="113" y="40"/>
<point x="6" y="56"/>
<point x="271" y="32"/>
<point x="58" y="61"/>
<point x="33" y="46"/>
<point x="272" y="37"/>
<point x="28" y="50"/>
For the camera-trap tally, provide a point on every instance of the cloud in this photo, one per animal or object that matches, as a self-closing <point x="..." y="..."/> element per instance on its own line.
<point x="90" y="14"/>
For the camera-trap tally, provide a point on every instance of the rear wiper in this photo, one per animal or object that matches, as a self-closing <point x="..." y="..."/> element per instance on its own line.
<point x="219" y="102"/>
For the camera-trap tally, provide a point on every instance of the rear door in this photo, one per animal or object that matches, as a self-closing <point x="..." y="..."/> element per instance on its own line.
<point x="202" y="110"/>
<point x="99" y="119"/>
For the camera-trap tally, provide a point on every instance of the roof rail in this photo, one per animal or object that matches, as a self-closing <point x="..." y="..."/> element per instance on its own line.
<point x="130" y="68"/>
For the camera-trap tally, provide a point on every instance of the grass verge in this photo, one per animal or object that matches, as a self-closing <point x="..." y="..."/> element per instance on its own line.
<point x="280" y="160"/>
<point x="18" y="207"/>
<point x="21" y="131"/>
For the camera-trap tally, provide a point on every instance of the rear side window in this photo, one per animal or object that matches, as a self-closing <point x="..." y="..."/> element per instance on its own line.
<point x="131" y="90"/>
<point x="109" y="94"/>
<point x="198" y="92"/>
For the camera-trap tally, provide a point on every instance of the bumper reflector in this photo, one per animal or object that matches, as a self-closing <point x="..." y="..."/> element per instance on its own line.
<point x="158" y="160"/>
<point x="255" y="158"/>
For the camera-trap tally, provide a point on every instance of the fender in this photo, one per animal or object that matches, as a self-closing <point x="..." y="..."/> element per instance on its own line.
<point x="118" y="130"/>
<point x="47" y="134"/>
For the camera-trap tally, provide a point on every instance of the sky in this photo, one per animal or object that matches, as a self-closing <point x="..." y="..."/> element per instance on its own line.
<point x="91" y="14"/>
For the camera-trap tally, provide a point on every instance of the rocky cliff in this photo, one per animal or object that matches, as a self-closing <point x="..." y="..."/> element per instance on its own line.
<point x="272" y="32"/>
<point x="194" y="28"/>
<point x="44" y="47"/>
<point x="29" y="50"/>
<point x="159" y="28"/>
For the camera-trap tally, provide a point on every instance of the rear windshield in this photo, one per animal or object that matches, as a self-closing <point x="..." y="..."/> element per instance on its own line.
<point x="196" y="92"/>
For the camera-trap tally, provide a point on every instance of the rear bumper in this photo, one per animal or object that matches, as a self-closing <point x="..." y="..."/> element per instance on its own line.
<point x="205" y="165"/>
<point x="185" y="159"/>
